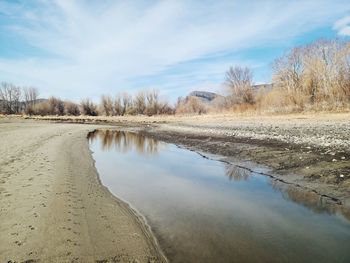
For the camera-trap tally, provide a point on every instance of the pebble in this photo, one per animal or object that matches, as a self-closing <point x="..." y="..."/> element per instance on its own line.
<point x="334" y="160"/>
<point x="341" y="176"/>
<point x="343" y="157"/>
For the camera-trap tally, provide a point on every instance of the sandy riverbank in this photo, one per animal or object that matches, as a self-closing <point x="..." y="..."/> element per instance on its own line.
<point x="53" y="208"/>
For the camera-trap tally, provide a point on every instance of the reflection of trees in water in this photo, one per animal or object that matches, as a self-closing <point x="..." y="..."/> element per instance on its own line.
<point x="124" y="141"/>
<point x="236" y="173"/>
<point x="313" y="201"/>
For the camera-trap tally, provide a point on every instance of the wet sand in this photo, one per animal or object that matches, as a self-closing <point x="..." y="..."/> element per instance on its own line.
<point x="53" y="207"/>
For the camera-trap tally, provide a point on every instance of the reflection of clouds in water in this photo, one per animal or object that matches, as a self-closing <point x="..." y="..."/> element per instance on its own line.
<point x="124" y="141"/>
<point x="236" y="173"/>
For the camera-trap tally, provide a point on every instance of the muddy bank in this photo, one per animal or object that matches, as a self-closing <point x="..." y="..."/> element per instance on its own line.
<point x="53" y="207"/>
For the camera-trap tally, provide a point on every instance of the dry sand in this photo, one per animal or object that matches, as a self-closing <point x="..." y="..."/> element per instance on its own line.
<point x="53" y="207"/>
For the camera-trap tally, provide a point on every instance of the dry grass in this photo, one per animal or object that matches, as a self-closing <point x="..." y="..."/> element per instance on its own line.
<point x="221" y="118"/>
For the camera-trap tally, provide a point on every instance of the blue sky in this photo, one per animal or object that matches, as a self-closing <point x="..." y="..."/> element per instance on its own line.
<point x="76" y="49"/>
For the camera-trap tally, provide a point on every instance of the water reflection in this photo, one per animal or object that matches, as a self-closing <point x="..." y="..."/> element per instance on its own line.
<point x="205" y="211"/>
<point x="124" y="141"/>
<point x="310" y="199"/>
<point x="236" y="173"/>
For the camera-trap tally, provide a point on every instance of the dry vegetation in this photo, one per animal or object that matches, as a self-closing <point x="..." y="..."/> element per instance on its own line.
<point x="314" y="77"/>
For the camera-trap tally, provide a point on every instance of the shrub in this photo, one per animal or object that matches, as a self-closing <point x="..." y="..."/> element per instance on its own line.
<point x="190" y="105"/>
<point x="42" y="108"/>
<point x="71" y="108"/>
<point x="56" y="106"/>
<point x="88" y="107"/>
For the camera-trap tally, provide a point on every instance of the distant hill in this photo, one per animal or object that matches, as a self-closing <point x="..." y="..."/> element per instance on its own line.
<point x="205" y="96"/>
<point x="208" y="97"/>
<point x="214" y="99"/>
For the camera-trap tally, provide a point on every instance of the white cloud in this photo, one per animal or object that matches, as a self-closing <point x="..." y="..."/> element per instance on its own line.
<point x="91" y="48"/>
<point x="343" y="26"/>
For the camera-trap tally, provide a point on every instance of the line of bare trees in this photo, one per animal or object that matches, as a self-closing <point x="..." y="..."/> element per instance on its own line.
<point x="16" y="100"/>
<point x="143" y="103"/>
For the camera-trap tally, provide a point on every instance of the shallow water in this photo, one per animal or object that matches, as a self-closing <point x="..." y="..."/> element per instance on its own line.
<point x="203" y="210"/>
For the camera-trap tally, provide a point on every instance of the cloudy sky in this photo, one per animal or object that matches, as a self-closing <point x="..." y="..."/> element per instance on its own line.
<point x="76" y="49"/>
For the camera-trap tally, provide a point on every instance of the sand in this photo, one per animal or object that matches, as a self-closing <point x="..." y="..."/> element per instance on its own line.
<point x="53" y="207"/>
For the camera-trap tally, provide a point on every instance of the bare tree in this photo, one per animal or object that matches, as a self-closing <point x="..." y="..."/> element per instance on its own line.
<point x="88" y="107"/>
<point x="140" y="102"/>
<point x="56" y="106"/>
<point x="126" y="102"/>
<point x="107" y="105"/>
<point x="118" y="105"/>
<point x="10" y="97"/>
<point x="17" y="93"/>
<point x="71" y="108"/>
<point x="239" y="81"/>
<point x="30" y="98"/>
<point x="30" y="95"/>
<point x="152" y="99"/>
<point x="165" y="108"/>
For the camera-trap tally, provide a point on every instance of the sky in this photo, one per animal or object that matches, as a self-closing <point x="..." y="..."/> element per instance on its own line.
<point x="78" y="49"/>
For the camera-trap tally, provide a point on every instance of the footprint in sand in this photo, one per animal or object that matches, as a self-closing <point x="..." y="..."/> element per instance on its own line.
<point x="18" y="243"/>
